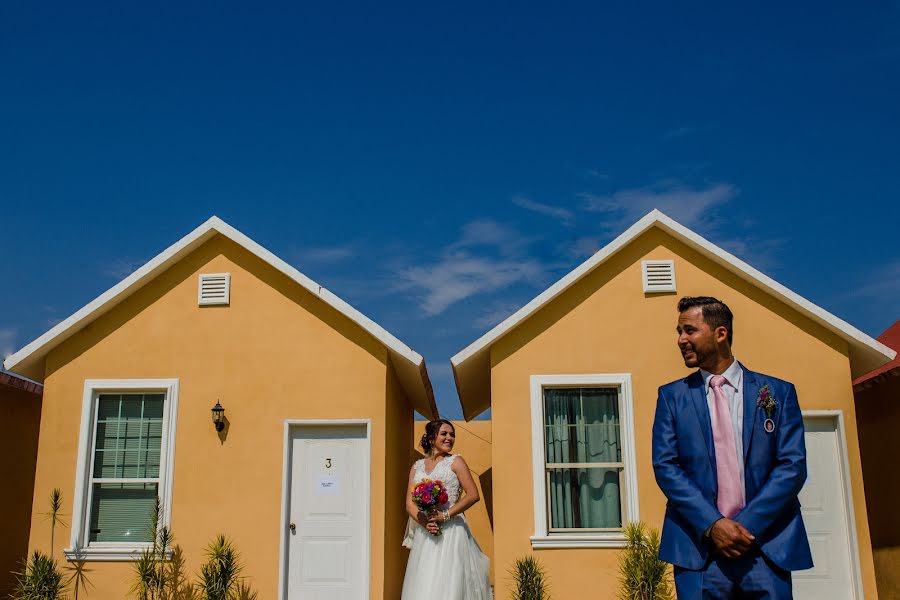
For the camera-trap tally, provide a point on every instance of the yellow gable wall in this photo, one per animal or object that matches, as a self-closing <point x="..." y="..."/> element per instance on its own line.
<point x="605" y="324"/>
<point x="276" y="352"/>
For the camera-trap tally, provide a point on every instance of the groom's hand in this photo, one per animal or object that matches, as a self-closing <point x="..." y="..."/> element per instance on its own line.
<point x="730" y="538"/>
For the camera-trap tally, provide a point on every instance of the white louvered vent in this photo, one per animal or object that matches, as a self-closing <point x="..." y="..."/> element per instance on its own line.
<point x="659" y="276"/>
<point x="214" y="289"/>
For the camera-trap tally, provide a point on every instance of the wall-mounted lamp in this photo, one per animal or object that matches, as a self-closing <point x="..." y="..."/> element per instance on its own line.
<point x="218" y="416"/>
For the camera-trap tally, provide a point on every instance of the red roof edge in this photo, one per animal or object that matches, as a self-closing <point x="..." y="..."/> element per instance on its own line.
<point x="891" y="338"/>
<point x="20" y="383"/>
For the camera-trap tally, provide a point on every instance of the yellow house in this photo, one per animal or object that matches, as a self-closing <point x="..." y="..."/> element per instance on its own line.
<point x="306" y="469"/>
<point x="571" y="380"/>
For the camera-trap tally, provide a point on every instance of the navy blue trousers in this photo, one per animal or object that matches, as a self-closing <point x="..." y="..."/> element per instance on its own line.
<point x="750" y="577"/>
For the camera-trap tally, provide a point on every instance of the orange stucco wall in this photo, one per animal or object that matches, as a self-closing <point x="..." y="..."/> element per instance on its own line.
<point x="878" y="408"/>
<point x="605" y="324"/>
<point x="20" y="417"/>
<point x="277" y="352"/>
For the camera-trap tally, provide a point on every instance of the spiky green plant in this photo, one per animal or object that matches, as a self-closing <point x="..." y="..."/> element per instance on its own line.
<point x="530" y="580"/>
<point x="54" y="515"/>
<point x="642" y="575"/>
<point x="39" y="579"/>
<point x="151" y="569"/>
<point x="220" y="575"/>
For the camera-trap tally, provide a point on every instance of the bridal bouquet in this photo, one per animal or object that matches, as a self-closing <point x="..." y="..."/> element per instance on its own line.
<point x="428" y="495"/>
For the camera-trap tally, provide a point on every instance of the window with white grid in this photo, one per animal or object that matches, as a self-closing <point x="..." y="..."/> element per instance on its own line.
<point x="585" y="477"/>
<point x="125" y="460"/>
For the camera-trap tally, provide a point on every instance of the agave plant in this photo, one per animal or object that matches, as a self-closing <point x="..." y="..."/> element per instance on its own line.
<point x="642" y="575"/>
<point x="39" y="579"/>
<point x="530" y="580"/>
<point x="220" y="576"/>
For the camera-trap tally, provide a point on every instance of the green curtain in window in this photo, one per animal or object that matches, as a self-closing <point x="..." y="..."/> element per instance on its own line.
<point x="582" y="426"/>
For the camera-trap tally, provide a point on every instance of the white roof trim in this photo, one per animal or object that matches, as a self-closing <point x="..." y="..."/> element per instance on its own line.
<point x="656" y="218"/>
<point x="62" y="331"/>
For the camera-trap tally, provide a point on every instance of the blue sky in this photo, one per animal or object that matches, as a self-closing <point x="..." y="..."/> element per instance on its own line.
<point x="439" y="165"/>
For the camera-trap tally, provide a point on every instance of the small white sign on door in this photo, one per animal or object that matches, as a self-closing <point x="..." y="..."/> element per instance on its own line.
<point x="328" y="485"/>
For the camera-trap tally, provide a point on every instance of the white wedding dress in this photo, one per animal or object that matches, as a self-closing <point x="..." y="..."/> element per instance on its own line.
<point x="449" y="566"/>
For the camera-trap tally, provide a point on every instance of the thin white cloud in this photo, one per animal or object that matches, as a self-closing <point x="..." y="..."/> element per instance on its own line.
<point x="881" y="283"/>
<point x="559" y="213"/>
<point x="495" y="315"/>
<point x="584" y="246"/>
<point x="596" y="174"/>
<point x="490" y="233"/>
<point x="488" y="257"/>
<point x="691" y="206"/>
<point x="122" y="267"/>
<point x="324" y="254"/>
<point x="7" y="342"/>
<point x="461" y="275"/>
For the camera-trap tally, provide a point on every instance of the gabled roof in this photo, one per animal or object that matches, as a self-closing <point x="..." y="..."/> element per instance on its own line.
<point x="410" y="366"/>
<point x="471" y="366"/>
<point x="891" y="338"/>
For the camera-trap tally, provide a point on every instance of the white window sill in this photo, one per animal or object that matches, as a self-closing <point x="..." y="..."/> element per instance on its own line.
<point x="611" y="540"/>
<point x="129" y="553"/>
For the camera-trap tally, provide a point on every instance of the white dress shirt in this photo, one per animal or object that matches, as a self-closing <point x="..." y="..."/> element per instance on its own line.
<point x="734" y="393"/>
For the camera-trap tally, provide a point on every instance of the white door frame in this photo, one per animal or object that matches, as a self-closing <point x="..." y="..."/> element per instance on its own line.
<point x="286" y="494"/>
<point x="837" y="417"/>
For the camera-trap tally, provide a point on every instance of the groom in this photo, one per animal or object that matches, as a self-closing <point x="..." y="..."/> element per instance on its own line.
<point x="729" y="455"/>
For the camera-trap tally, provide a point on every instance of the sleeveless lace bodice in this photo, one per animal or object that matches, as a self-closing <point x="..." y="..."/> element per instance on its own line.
<point x="444" y="472"/>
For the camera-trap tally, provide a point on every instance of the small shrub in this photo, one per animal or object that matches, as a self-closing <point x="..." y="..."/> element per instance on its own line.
<point x="530" y="580"/>
<point x="151" y="570"/>
<point x="220" y="575"/>
<point x="642" y="575"/>
<point x="40" y="579"/>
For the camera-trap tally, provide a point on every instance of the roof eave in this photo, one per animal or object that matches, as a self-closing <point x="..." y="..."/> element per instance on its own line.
<point x="866" y="353"/>
<point x="29" y="358"/>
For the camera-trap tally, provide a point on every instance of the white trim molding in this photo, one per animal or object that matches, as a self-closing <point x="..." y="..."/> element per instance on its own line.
<point x="410" y="365"/>
<point x="837" y="417"/>
<point x="542" y="538"/>
<point x="472" y="364"/>
<point x="79" y="547"/>
<point x="286" y="497"/>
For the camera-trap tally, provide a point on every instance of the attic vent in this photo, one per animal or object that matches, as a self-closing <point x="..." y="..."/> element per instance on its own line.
<point x="659" y="276"/>
<point x="214" y="289"/>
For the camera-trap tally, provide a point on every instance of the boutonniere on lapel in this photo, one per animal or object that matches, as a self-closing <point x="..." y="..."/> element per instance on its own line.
<point x="767" y="402"/>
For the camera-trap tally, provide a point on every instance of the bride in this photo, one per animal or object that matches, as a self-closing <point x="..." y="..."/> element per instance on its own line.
<point x="448" y="566"/>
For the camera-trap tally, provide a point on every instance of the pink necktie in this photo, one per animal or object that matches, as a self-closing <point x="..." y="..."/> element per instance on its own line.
<point x="730" y="501"/>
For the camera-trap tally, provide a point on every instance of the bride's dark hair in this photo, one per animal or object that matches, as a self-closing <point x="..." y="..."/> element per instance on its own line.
<point x="431" y="431"/>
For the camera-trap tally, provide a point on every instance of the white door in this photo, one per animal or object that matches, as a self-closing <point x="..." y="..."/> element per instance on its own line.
<point x="826" y="516"/>
<point x="328" y="535"/>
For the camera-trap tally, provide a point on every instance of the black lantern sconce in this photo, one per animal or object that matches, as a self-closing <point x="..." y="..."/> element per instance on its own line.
<point x="218" y="416"/>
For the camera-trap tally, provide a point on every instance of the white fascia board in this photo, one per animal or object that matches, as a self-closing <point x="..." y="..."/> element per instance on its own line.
<point x="555" y="290"/>
<point x="111" y="297"/>
<point x="172" y="254"/>
<point x="656" y="218"/>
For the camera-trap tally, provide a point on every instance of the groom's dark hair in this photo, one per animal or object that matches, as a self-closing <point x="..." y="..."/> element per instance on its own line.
<point x="715" y="312"/>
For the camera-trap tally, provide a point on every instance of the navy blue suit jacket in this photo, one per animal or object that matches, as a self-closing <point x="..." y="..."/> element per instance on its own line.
<point x="684" y="461"/>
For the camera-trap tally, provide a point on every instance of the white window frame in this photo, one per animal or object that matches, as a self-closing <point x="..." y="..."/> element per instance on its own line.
<point x="542" y="538"/>
<point x="80" y="548"/>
